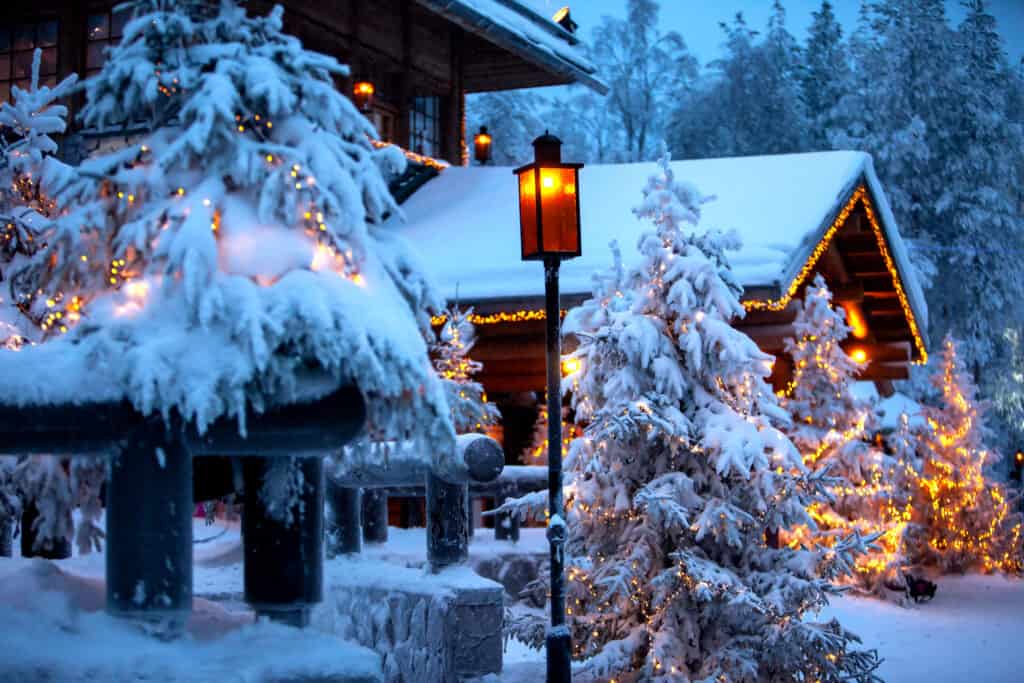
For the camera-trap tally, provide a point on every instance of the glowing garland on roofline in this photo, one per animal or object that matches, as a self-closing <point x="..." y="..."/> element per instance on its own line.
<point x="861" y="194"/>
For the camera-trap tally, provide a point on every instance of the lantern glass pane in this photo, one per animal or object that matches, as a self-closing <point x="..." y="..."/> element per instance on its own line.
<point x="528" y="213"/>
<point x="558" y="203"/>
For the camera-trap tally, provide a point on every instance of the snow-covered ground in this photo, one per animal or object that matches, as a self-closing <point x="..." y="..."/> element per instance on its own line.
<point x="970" y="632"/>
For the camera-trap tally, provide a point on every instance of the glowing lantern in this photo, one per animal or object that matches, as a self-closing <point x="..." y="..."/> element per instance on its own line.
<point x="549" y="204"/>
<point x="482" y="146"/>
<point x="859" y="355"/>
<point x="362" y="94"/>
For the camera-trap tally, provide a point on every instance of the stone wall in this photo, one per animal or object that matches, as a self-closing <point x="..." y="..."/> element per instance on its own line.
<point x="428" y="628"/>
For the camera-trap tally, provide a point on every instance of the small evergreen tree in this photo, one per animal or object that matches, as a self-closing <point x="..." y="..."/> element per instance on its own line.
<point x="26" y="125"/>
<point x="537" y="452"/>
<point x="832" y="430"/>
<point x="680" y="473"/>
<point x="466" y="397"/>
<point x="962" y="519"/>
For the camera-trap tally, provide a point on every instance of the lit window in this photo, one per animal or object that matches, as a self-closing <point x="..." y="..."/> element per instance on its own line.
<point x="425" y="126"/>
<point x="102" y="30"/>
<point x="17" y="46"/>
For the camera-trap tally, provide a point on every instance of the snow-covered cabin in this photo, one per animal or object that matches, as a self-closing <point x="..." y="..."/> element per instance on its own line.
<point x="422" y="57"/>
<point x="797" y="215"/>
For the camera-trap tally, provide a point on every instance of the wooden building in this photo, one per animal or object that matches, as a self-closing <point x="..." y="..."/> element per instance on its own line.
<point x="796" y="215"/>
<point x="421" y="57"/>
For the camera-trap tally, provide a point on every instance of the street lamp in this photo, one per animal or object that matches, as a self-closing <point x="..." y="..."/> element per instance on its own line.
<point x="482" y="146"/>
<point x="549" y="226"/>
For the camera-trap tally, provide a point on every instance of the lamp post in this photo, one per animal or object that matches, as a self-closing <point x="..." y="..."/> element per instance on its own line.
<point x="482" y="146"/>
<point x="549" y="225"/>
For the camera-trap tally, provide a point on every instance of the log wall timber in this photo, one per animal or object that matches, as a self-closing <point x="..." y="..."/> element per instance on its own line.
<point x="404" y="48"/>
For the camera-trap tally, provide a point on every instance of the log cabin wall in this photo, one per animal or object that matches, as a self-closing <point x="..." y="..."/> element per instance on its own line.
<point x="413" y="57"/>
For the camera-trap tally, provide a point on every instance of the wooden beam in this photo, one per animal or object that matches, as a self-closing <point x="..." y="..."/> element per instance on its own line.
<point x="881" y="353"/>
<point x="835" y="266"/>
<point x="883" y="371"/>
<point x="783" y="317"/>
<point x="851" y="292"/>
<point x="892" y="334"/>
<point x="509" y="348"/>
<point x="769" y="338"/>
<point x="885" y="387"/>
<point x="513" y="384"/>
<point x="862" y="265"/>
<point x="860" y="244"/>
<point x="519" y="366"/>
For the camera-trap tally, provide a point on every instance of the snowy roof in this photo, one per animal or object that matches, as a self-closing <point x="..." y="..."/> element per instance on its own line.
<point x="522" y="31"/>
<point x="464" y="224"/>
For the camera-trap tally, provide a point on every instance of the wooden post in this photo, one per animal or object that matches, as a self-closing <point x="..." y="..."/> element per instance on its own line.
<point x="447" y="523"/>
<point x="6" y="536"/>
<point x="506" y="524"/>
<point x="284" y="562"/>
<point x="149" y="528"/>
<point x="375" y="516"/>
<point x="344" y="526"/>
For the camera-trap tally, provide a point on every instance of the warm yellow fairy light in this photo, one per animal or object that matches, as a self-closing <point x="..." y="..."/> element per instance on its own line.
<point x="436" y="164"/>
<point x="499" y="317"/>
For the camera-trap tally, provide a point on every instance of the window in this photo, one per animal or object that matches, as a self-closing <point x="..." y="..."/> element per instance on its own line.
<point x="425" y="126"/>
<point x="102" y="30"/>
<point x="17" y="45"/>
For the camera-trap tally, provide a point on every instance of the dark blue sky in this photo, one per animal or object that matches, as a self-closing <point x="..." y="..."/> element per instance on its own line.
<point x="697" y="20"/>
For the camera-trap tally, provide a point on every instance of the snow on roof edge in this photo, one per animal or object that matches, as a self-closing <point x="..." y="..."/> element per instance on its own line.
<point x="524" y="32"/>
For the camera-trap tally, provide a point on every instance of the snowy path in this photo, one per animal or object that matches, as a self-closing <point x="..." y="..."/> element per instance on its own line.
<point x="971" y="632"/>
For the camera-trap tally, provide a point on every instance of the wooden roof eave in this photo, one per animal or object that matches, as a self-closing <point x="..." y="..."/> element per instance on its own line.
<point x="478" y="23"/>
<point x="777" y="295"/>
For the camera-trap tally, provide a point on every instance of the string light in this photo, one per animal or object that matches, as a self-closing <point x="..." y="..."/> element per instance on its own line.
<point x="500" y="317"/>
<point x="861" y="196"/>
<point x="421" y="159"/>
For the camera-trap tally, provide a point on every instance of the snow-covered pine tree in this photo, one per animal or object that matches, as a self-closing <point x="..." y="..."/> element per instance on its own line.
<point x="679" y="475"/>
<point x="753" y="103"/>
<point x="236" y="248"/>
<point x="962" y="518"/>
<point x="832" y="428"/>
<point x="825" y="74"/>
<point x="26" y="124"/>
<point x="467" y="399"/>
<point x="537" y="452"/>
<point x="979" y="221"/>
